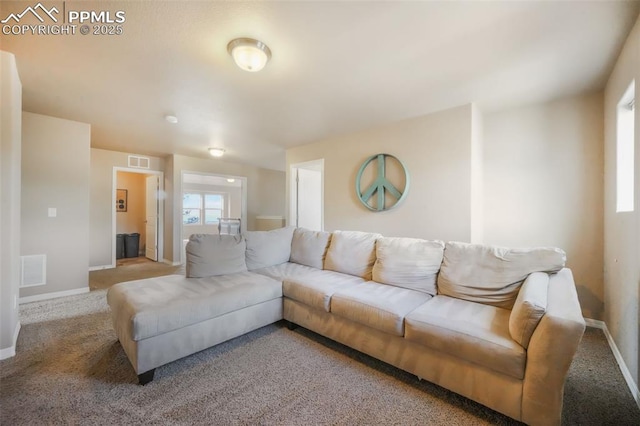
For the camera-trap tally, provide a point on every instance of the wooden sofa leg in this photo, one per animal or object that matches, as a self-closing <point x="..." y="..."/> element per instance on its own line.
<point x="146" y="377"/>
<point x="291" y="325"/>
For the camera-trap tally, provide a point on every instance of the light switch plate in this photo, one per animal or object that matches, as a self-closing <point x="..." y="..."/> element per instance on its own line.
<point x="53" y="212"/>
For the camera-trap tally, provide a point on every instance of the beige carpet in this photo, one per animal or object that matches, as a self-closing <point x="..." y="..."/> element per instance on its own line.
<point x="129" y="269"/>
<point x="70" y="369"/>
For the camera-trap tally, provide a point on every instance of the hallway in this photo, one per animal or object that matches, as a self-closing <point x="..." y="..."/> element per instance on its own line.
<point x="129" y="269"/>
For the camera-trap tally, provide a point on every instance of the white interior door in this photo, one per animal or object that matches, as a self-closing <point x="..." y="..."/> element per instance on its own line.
<point x="151" y="242"/>
<point x="309" y="199"/>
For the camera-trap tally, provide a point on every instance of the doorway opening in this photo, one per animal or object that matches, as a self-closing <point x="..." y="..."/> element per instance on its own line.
<point x="212" y="204"/>
<point x="306" y="195"/>
<point x="138" y="216"/>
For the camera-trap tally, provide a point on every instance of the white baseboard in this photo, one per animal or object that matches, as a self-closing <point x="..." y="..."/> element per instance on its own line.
<point x="47" y="296"/>
<point x="595" y="323"/>
<point x="633" y="387"/>
<point x="170" y="263"/>
<point x="101" y="267"/>
<point x="11" y="350"/>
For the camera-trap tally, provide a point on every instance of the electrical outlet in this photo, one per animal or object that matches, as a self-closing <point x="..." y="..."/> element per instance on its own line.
<point x="53" y="212"/>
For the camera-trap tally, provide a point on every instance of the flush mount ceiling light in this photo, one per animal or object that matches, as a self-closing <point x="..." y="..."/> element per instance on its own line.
<point x="216" y="152"/>
<point x="249" y="54"/>
<point x="171" y="119"/>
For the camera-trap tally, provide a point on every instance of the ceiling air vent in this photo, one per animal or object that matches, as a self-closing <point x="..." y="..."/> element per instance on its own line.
<point x="33" y="270"/>
<point x="138" y="162"/>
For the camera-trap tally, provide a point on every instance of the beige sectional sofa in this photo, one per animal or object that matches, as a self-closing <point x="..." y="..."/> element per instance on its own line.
<point x="499" y="326"/>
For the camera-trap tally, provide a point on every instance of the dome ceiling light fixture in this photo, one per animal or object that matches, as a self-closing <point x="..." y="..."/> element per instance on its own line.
<point x="216" y="152"/>
<point x="249" y="54"/>
<point x="171" y="119"/>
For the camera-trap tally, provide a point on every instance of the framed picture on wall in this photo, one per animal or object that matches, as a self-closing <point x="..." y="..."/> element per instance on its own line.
<point x="121" y="200"/>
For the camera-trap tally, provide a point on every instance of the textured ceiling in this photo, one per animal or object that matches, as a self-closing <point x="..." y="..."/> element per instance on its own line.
<point x="337" y="67"/>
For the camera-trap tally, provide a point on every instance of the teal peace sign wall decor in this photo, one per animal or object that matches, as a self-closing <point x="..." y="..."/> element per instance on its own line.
<point x="381" y="184"/>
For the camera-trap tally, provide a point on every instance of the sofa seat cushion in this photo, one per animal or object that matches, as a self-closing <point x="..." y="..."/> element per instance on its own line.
<point x="475" y="332"/>
<point x="378" y="306"/>
<point x="154" y="306"/>
<point x="316" y="288"/>
<point x="285" y="271"/>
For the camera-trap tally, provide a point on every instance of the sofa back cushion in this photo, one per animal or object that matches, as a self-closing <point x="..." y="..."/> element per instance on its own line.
<point x="209" y="255"/>
<point x="268" y="248"/>
<point x="408" y="262"/>
<point x="529" y="308"/>
<point x="492" y="275"/>
<point x="309" y="247"/>
<point x="352" y="252"/>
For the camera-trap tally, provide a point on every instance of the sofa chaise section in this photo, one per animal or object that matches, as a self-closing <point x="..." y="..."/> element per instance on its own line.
<point x="163" y="319"/>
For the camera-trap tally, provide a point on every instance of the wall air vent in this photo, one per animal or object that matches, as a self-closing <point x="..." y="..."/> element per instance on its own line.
<point x="33" y="270"/>
<point x="138" y="162"/>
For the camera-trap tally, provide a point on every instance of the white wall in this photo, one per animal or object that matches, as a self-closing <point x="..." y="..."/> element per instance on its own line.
<point x="55" y="174"/>
<point x="622" y="230"/>
<point x="436" y="150"/>
<point x="529" y="176"/>
<point x="10" y="169"/>
<point x="133" y="220"/>
<point x="543" y="185"/>
<point x="477" y="175"/>
<point x="100" y="232"/>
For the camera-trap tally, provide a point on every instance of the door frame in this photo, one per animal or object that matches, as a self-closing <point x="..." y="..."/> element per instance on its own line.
<point x="178" y="204"/>
<point x="155" y="181"/>
<point x="114" y="185"/>
<point x="316" y="165"/>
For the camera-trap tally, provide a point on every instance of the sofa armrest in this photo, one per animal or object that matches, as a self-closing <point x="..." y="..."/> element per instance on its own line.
<point x="551" y="349"/>
<point x="529" y="307"/>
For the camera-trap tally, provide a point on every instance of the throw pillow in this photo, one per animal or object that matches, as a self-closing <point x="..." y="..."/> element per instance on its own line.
<point x="352" y="252"/>
<point x="408" y="262"/>
<point x="268" y="248"/>
<point x="309" y="247"/>
<point x="492" y="275"/>
<point x="209" y="255"/>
